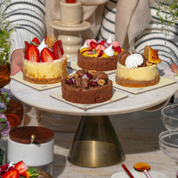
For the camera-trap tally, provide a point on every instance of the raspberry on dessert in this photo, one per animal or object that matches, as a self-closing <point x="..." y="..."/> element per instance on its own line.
<point x="89" y="75"/>
<point x="69" y="81"/>
<point x="93" y="83"/>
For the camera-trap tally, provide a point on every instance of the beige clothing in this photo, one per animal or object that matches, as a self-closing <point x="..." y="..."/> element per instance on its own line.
<point x="132" y="17"/>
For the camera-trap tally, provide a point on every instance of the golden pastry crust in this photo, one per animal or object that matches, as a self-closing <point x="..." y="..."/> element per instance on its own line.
<point x="137" y="84"/>
<point x="44" y="80"/>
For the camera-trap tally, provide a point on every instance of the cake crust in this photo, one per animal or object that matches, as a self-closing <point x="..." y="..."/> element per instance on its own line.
<point x="135" y="83"/>
<point x="97" y="63"/>
<point x="43" y="80"/>
<point x="91" y="95"/>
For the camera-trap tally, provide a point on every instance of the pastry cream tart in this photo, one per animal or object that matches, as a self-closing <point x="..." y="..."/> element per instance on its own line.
<point x="137" y="77"/>
<point x="45" y="72"/>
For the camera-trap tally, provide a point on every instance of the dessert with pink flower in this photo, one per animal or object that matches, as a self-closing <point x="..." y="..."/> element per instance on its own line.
<point x="99" y="55"/>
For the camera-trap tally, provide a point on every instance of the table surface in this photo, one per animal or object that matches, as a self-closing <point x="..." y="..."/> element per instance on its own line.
<point x="42" y="100"/>
<point x="137" y="131"/>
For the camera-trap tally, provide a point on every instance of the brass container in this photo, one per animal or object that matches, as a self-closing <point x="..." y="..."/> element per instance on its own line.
<point x="95" y="143"/>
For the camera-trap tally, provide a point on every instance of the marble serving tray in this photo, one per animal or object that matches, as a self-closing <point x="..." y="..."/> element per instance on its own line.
<point x="163" y="82"/>
<point x="136" y="174"/>
<point x="39" y="87"/>
<point x="116" y="96"/>
<point x="73" y="65"/>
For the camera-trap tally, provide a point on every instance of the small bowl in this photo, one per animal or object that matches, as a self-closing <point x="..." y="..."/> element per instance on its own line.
<point x="169" y="116"/>
<point x="168" y="142"/>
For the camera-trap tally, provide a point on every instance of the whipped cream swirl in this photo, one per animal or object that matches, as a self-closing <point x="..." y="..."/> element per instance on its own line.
<point x="109" y="51"/>
<point x="134" y="60"/>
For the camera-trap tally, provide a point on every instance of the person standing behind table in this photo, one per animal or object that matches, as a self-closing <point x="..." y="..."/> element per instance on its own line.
<point x="28" y="18"/>
<point x="144" y="28"/>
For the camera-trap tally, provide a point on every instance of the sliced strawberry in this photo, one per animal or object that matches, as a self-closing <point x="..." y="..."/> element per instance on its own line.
<point x="21" y="167"/>
<point x="174" y="68"/>
<point x="58" y="49"/>
<point x="87" y="50"/>
<point x="46" y="38"/>
<point x="33" y="53"/>
<point x="117" y="49"/>
<point x="102" y="42"/>
<point x="93" y="44"/>
<point x="25" y="50"/>
<point x="100" y="53"/>
<point x="13" y="173"/>
<point x="70" y="1"/>
<point x="47" y="55"/>
<point x="36" y="40"/>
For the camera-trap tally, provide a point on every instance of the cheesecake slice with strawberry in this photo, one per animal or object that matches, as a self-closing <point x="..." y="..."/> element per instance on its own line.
<point x="45" y="62"/>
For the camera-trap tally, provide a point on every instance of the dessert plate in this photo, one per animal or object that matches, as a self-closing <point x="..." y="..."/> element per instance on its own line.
<point x="136" y="174"/>
<point x="74" y="66"/>
<point x="39" y="87"/>
<point x="163" y="82"/>
<point x="116" y="96"/>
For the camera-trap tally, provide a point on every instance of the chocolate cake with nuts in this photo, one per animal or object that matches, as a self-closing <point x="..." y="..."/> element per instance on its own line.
<point x="87" y="87"/>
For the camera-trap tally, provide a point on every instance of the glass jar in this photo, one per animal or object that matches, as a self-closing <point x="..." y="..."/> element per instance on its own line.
<point x="4" y="75"/>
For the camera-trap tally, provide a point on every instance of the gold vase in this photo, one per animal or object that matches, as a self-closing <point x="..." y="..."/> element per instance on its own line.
<point x="4" y="75"/>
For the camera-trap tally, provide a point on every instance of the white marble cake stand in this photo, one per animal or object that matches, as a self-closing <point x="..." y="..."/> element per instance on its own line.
<point x="44" y="102"/>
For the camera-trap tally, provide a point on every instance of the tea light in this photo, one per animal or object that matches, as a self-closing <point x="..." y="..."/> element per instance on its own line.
<point x="33" y="145"/>
<point x="70" y="12"/>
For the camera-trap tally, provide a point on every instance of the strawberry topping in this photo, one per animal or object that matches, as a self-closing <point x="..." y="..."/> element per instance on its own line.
<point x="25" y="51"/>
<point x="102" y="42"/>
<point x="87" y="50"/>
<point x="32" y="53"/>
<point x="13" y="173"/>
<point x="93" y="44"/>
<point x="70" y="1"/>
<point x="100" y="53"/>
<point x="117" y="49"/>
<point x="47" y="55"/>
<point x="21" y="167"/>
<point x="36" y="40"/>
<point x="58" y="49"/>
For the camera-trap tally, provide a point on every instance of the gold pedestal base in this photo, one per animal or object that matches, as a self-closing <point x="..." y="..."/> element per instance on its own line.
<point x="95" y="143"/>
